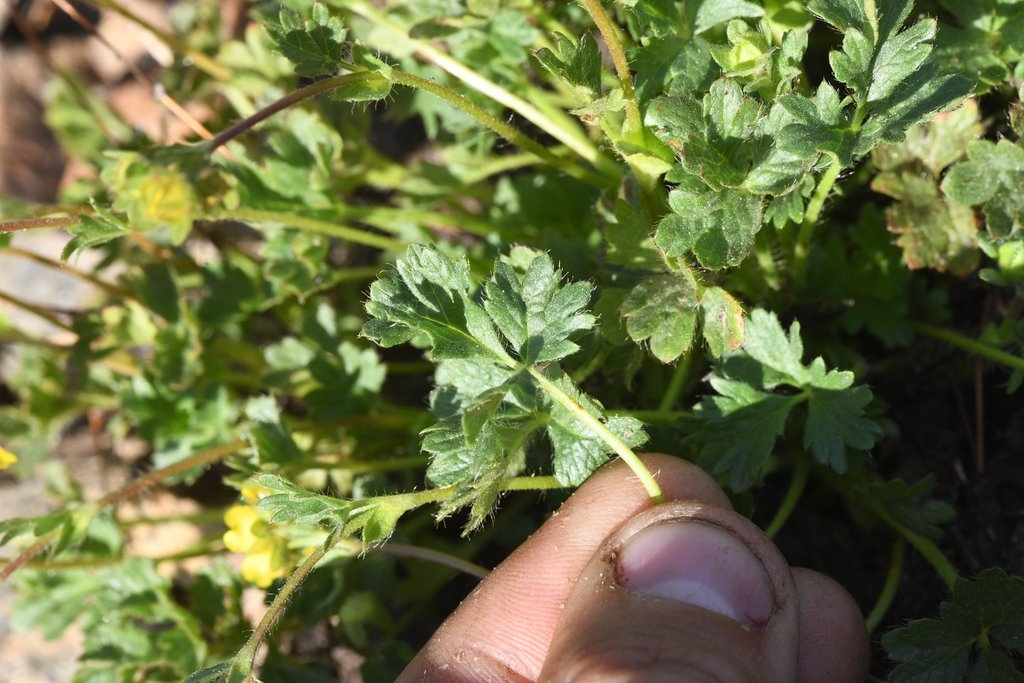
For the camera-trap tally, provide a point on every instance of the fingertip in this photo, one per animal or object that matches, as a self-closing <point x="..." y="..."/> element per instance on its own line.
<point x="834" y="645"/>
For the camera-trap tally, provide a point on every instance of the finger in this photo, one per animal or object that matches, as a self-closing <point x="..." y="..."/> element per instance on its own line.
<point x="502" y="631"/>
<point x="681" y="592"/>
<point x="834" y="644"/>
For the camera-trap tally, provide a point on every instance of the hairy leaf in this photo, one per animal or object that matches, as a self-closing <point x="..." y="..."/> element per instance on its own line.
<point x="959" y="644"/>
<point x="758" y="387"/>
<point x="314" y="46"/>
<point x="662" y="310"/>
<point x="990" y="177"/>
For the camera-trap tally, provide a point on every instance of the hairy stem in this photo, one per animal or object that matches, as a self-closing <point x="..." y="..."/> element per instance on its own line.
<point x="565" y="132"/>
<point x="409" y="80"/>
<point x="436" y="556"/>
<point x="37" y="223"/>
<point x="201" y="459"/>
<point x="939" y="562"/>
<point x="277" y="607"/>
<point x="647" y="479"/>
<point x="288" y="100"/>
<point x="971" y="345"/>
<point x="634" y="124"/>
<point x="811" y="216"/>
<point x="349" y="234"/>
<point x="498" y="126"/>
<point x="36" y="310"/>
<point x="892" y="581"/>
<point x="545" y="483"/>
<point x="793" y="493"/>
<point x="109" y="288"/>
<point x="675" y="386"/>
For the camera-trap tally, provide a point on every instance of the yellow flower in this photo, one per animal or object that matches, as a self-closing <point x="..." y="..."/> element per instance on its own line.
<point x="266" y="554"/>
<point x="6" y="458"/>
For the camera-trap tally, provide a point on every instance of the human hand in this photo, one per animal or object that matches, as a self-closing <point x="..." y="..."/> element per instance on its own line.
<point x="613" y="589"/>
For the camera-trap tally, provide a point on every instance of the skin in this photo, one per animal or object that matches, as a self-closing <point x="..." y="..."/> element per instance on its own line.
<point x="552" y="612"/>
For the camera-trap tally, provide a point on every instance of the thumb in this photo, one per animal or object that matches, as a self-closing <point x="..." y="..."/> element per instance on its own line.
<point x="681" y="592"/>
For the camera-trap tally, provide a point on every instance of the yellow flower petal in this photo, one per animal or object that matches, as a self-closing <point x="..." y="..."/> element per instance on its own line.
<point x="243" y="525"/>
<point x="262" y="567"/>
<point x="6" y="458"/>
<point x="252" y="492"/>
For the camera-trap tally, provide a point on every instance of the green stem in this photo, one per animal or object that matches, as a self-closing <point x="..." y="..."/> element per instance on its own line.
<point x="399" y="78"/>
<point x="430" y="555"/>
<point x="892" y="581"/>
<point x="37" y="223"/>
<point x="545" y="483"/>
<point x="203" y="62"/>
<point x="971" y="345"/>
<point x="811" y="216"/>
<point x="388" y="218"/>
<point x="201" y="459"/>
<point x="665" y="417"/>
<point x="634" y="124"/>
<point x="943" y="567"/>
<point x="38" y="311"/>
<point x="796" y="489"/>
<point x="595" y="363"/>
<point x="288" y="100"/>
<point x="503" y="129"/>
<point x="109" y="288"/>
<point x="277" y="607"/>
<point x="567" y="133"/>
<point x="354" y="235"/>
<point x="675" y="386"/>
<point x="647" y="480"/>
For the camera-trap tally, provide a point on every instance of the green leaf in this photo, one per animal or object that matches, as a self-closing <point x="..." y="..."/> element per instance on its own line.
<point x="662" y="310"/>
<point x="933" y="231"/>
<point x="776" y="352"/>
<point x="427" y="297"/>
<point x="713" y="12"/>
<point x="491" y="404"/>
<point x="991" y="177"/>
<point x="903" y="504"/>
<point x="743" y="424"/>
<point x="721" y="321"/>
<point x="273" y="442"/>
<point x="578" y="452"/>
<point x="314" y="46"/>
<point x="345" y="382"/>
<point x="578" y="64"/>
<point x="91" y="232"/>
<point x="843" y="14"/>
<point x="232" y="671"/>
<point x="477" y="464"/>
<point x="755" y="396"/>
<point x="629" y="238"/>
<point x="718" y="227"/>
<point x="961" y="643"/>
<point x="835" y="422"/>
<point x="291" y="503"/>
<point x="534" y="312"/>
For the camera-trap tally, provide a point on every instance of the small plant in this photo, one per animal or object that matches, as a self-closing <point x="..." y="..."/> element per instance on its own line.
<point x="442" y="255"/>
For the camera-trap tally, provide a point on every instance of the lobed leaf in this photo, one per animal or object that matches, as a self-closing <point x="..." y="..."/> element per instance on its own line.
<point x="662" y="310"/>
<point x="314" y="46"/>
<point x="960" y="644"/>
